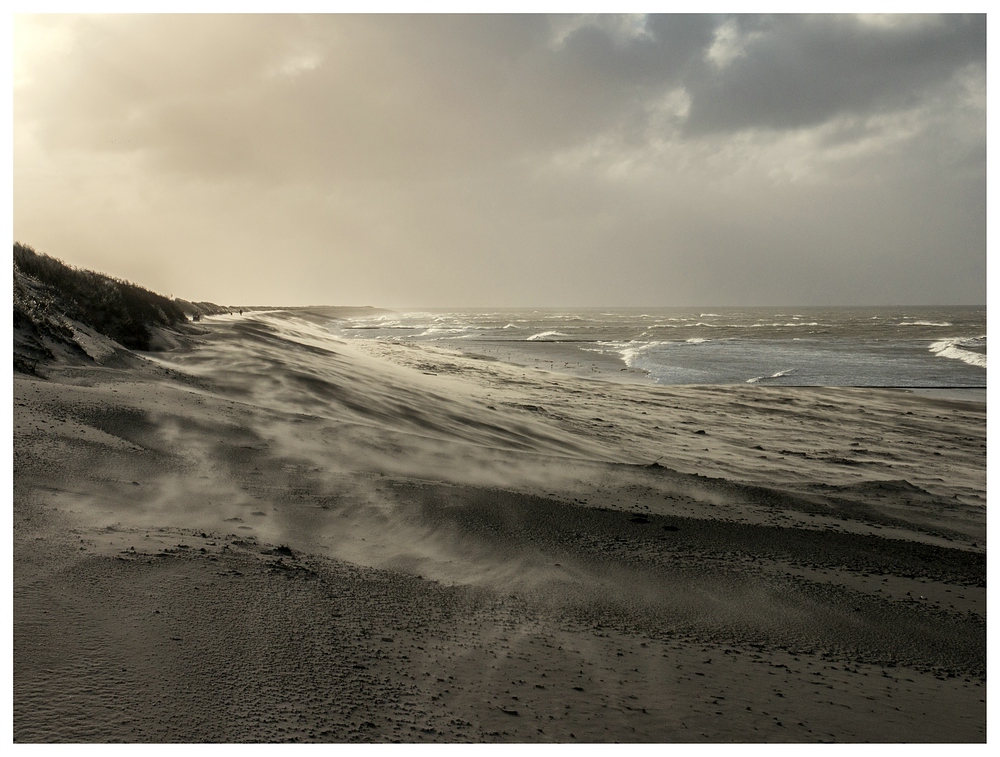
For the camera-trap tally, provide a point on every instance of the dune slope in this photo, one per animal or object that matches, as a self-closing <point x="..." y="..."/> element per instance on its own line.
<point x="272" y="535"/>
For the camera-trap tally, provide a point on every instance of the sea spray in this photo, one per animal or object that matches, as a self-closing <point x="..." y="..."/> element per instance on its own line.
<point x="782" y="346"/>
<point x="959" y="349"/>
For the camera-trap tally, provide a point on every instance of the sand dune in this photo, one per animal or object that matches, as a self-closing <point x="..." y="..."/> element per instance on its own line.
<point x="274" y="535"/>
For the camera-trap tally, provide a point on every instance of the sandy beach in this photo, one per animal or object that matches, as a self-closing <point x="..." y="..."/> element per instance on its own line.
<point x="266" y="534"/>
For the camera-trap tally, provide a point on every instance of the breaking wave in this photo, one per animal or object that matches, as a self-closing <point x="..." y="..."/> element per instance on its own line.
<point x="962" y="349"/>
<point x="779" y="374"/>
<point x="545" y="335"/>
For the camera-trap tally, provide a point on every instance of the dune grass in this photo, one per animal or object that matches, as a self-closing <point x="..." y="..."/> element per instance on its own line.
<point x="116" y="308"/>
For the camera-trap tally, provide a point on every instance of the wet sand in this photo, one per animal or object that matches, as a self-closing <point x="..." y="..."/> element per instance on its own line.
<point x="268" y="536"/>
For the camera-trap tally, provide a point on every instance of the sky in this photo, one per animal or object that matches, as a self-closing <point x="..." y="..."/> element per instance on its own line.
<point x="508" y="160"/>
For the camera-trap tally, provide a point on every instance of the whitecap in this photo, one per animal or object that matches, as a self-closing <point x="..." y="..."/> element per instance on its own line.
<point x="628" y="351"/>
<point x="433" y="330"/>
<point x="955" y="349"/>
<point x="545" y="335"/>
<point x="779" y="374"/>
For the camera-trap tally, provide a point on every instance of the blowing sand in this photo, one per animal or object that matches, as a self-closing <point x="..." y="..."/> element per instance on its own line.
<point x="269" y="535"/>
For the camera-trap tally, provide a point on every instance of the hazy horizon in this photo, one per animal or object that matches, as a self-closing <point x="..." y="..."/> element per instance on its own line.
<point x="509" y="161"/>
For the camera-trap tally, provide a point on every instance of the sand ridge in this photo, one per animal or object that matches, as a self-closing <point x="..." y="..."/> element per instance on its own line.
<point x="277" y="536"/>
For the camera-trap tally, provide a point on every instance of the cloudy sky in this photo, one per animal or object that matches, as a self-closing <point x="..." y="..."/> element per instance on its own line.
<point x="408" y="161"/>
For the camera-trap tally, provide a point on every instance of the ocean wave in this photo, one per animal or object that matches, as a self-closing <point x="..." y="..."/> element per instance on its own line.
<point x="923" y="323"/>
<point x="434" y="330"/>
<point x="779" y="374"/>
<point x="697" y="340"/>
<point x="631" y="354"/>
<point x="629" y="351"/>
<point x="957" y="349"/>
<point x="760" y="325"/>
<point x="545" y="335"/>
<point x="393" y="318"/>
<point x="388" y="325"/>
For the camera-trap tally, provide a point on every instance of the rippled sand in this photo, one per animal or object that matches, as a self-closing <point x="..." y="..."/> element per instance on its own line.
<point x="269" y="535"/>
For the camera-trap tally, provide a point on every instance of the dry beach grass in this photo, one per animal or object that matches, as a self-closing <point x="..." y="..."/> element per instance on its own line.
<point x="269" y="535"/>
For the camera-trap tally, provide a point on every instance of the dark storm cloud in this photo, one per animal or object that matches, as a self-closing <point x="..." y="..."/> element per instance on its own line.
<point x="794" y="71"/>
<point x="287" y="95"/>
<point x="397" y="159"/>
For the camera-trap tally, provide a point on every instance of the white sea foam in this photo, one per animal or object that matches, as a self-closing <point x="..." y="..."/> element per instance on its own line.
<point x="779" y="374"/>
<point x="384" y="325"/>
<point x="436" y="330"/>
<point x="956" y="349"/>
<point x="545" y="335"/>
<point x="779" y="325"/>
<point x="629" y="351"/>
<point x="742" y="343"/>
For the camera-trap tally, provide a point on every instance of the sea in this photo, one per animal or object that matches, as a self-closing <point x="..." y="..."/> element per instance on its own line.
<point x="926" y="347"/>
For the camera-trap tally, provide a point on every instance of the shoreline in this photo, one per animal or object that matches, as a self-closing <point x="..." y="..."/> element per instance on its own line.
<point x="611" y="369"/>
<point x="569" y="359"/>
<point x="332" y="541"/>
